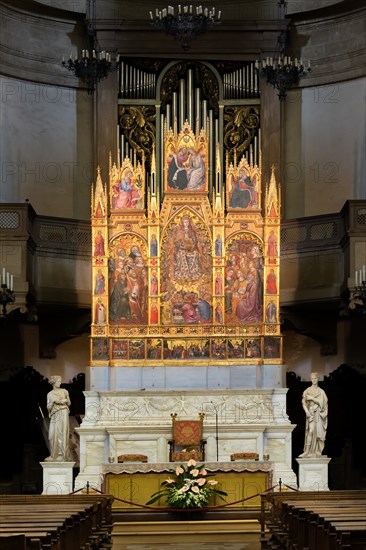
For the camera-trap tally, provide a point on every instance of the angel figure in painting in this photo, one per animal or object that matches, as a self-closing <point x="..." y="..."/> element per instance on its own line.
<point x="244" y="194"/>
<point x="126" y="194"/>
<point x="58" y="403"/>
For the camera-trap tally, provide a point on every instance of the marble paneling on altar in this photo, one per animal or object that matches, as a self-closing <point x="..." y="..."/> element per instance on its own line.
<point x="118" y="423"/>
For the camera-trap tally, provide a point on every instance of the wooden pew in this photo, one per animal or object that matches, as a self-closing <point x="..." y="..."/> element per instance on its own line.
<point x="291" y="522"/>
<point x="348" y="535"/>
<point x="307" y="522"/>
<point x="58" y="522"/>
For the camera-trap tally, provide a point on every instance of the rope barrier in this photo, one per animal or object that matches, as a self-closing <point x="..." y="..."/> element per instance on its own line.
<point x="165" y="508"/>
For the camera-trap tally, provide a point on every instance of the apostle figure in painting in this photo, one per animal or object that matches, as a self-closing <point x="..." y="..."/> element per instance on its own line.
<point x="315" y="404"/>
<point x="204" y="308"/>
<point x="58" y="403"/>
<point x="249" y="309"/>
<point x="186" y="255"/>
<point x="99" y="245"/>
<point x="243" y="192"/>
<point x="119" y="304"/>
<point x="189" y="312"/>
<point x="229" y="288"/>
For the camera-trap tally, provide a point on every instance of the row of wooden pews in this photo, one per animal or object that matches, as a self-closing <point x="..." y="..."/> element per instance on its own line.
<point x="55" y="522"/>
<point x="314" y="520"/>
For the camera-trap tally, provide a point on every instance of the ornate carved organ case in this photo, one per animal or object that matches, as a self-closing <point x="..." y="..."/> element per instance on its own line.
<point x="186" y="234"/>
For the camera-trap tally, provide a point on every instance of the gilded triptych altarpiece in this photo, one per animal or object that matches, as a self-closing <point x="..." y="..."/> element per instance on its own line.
<point x="185" y="261"/>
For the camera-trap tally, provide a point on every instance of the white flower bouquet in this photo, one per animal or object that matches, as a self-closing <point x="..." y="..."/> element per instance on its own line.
<point x="191" y="487"/>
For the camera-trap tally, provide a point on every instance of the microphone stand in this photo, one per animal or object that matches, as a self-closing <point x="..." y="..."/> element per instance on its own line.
<point x="216" y="409"/>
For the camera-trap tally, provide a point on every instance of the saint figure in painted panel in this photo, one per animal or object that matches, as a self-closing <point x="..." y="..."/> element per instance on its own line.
<point x="99" y="245"/>
<point x="99" y="283"/>
<point x="272" y="248"/>
<point x="271" y="282"/>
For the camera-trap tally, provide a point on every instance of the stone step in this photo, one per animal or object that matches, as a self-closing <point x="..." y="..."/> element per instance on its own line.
<point x="185" y="530"/>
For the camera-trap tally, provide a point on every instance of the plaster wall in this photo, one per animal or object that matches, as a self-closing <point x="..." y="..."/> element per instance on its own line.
<point x="324" y="148"/>
<point x="48" y="160"/>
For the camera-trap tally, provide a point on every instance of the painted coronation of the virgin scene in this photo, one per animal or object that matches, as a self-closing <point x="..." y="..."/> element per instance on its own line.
<point x="185" y="268"/>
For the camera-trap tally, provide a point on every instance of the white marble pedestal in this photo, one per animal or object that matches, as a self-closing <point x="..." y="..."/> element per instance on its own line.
<point x="313" y="473"/>
<point x="57" y="478"/>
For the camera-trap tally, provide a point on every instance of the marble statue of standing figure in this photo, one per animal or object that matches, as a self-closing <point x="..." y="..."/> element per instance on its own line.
<point x="315" y="405"/>
<point x="58" y="403"/>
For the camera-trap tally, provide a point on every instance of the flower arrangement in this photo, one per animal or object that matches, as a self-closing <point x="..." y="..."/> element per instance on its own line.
<point x="191" y="487"/>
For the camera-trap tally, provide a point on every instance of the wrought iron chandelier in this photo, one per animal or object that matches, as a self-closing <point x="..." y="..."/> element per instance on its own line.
<point x="7" y="295"/>
<point x="358" y="293"/>
<point x="185" y="22"/>
<point x="281" y="70"/>
<point x="94" y="64"/>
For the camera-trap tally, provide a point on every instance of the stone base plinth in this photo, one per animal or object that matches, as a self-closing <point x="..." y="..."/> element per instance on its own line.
<point x="57" y="478"/>
<point x="313" y="473"/>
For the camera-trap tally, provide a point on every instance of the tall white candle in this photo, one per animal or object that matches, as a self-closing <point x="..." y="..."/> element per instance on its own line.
<point x="7" y="279"/>
<point x="356" y="278"/>
<point x="11" y="281"/>
<point x="364" y="273"/>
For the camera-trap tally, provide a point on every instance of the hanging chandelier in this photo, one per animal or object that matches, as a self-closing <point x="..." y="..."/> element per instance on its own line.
<point x="91" y="68"/>
<point x="94" y="64"/>
<point x="185" y="22"/>
<point x="281" y="70"/>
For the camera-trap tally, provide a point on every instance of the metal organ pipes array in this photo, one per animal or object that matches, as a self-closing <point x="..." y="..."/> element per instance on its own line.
<point x="135" y="83"/>
<point x="190" y="92"/>
<point x="241" y="83"/>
